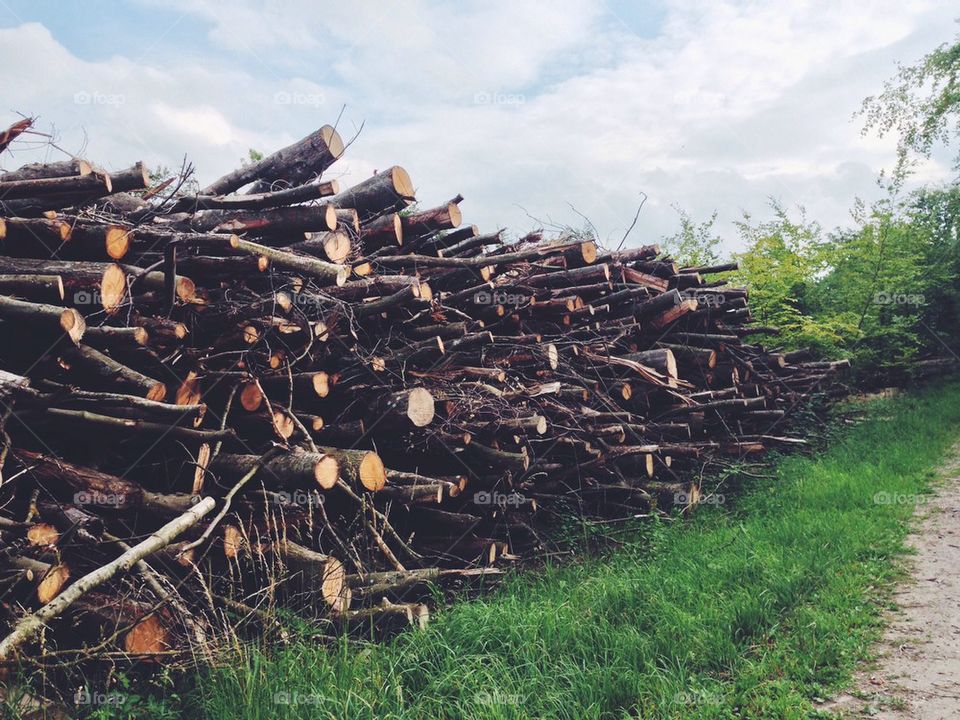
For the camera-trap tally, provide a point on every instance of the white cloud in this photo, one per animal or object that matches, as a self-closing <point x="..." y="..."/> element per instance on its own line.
<point x="519" y="106"/>
<point x="207" y="124"/>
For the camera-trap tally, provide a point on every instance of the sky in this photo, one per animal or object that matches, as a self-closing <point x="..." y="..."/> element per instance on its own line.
<point x="538" y="113"/>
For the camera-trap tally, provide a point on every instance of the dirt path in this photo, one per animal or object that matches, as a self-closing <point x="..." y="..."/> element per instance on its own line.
<point x="917" y="675"/>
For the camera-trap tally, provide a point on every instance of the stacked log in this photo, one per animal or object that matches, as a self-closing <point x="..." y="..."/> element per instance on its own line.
<point x="363" y="397"/>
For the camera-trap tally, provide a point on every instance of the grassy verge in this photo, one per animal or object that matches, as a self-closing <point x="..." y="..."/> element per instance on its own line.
<point x="748" y="610"/>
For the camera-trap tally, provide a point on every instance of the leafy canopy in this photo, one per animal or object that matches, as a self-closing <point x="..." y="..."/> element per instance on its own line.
<point x="921" y="104"/>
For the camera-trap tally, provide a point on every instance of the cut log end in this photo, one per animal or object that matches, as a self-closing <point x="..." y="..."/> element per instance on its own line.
<point x="189" y="391"/>
<point x="321" y="384"/>
<point x="671" y="365"/>
<point x="232" y="541"/>
<point x="420" y="615"/>
<point x="148" y="637"/>
<point x="337" y="246"/>
<point x="373" y="474"/>
<point x="326" y="472"/>
<point x="420" y="407"/>
<point x="334" y="588"/>
<point x="73" y="324"/>
<point x="333" y="140"/>
<point x="553" y="356"/>
<point x="283" y="424"/>
<point x="117" y="243"/>
<point x="330" y="217"/>
<point x="186" y="289"/>
<point x="398" y="228"/>
<point x="321" y="333"/>
<point x="53" y="583"/>
<point x="283" y="301"/>
<point x="113" y="288"/>
<point x="140" y="336"/>
<point x="251" y="397"/>
<point x="157" y="392"/>
<point x="455" y="215"/>
<point x="588" y="251"/>
<point x="42" y="534"/>
<point x="402" y="184"/>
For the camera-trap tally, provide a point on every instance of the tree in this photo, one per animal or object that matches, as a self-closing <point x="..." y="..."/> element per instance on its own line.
<point x="694" y="243"/>
<point x="922" y="104"/>
<point x="935" y="213"/>
<point x="875" y="285"/>
<point x="781" y="265"/>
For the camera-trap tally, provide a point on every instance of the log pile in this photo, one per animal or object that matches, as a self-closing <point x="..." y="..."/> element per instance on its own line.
<point x="274" y="390"/>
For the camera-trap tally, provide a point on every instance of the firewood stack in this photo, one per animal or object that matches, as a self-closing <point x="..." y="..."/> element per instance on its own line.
<point x="368" y="396"/>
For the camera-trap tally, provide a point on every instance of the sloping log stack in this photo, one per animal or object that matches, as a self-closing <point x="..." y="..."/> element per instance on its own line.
<point x="362" y="396"/>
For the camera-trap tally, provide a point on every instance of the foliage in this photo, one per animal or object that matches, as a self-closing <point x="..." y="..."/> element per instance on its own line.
<point x="921" y="104"/>
<point x="881" y="280"/>
<point x="694" y="243"/>
<point x="880" y="292"/>
<point x="935" y="212"/>
<point x="187" y="184"/>
<point x="781" y="265"/>
<point x="159" y="174"/>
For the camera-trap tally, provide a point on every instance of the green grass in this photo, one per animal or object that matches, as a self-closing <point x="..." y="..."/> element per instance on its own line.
<point x="747" y="610"/>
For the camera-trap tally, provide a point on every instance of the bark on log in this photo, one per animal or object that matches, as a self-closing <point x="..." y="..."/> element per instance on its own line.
<point x="293" y="165"/>
<point x="90" y="185"/>
<point x="297" y="469"/>
<point x="31" y="625"/>
<point x="387" y="191"/>
<point x="51" y="319"/>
